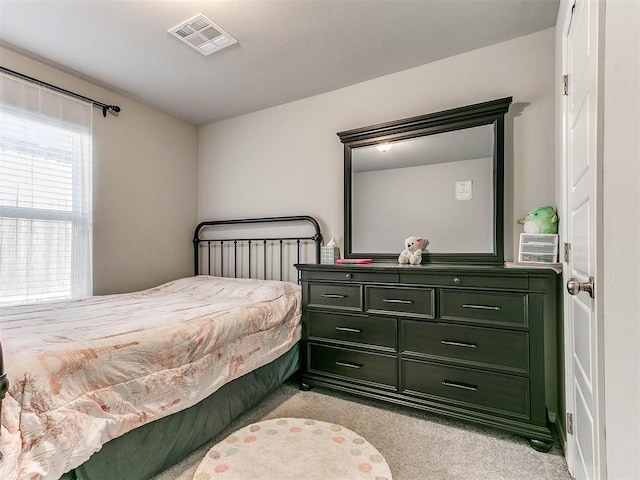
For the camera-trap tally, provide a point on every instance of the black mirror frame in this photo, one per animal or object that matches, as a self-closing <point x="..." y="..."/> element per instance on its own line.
<point x="485" y="113"/>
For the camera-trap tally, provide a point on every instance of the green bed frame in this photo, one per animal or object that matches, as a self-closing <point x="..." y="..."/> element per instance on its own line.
<point x="148" y="450"/>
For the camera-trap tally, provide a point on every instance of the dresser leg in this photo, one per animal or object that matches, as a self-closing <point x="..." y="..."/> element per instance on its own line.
<point x="540" y="445"/>
<point x="305" y="387"/>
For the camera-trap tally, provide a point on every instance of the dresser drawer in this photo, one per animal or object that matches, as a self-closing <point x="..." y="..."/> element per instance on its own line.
<point x="492" y="308"/>
<point x="378" y="332"/>
<point x="415" y="302"/>
<point x="492" y="392"/>
<point x="343" y="297"/>
<point x="362" y="366"/>
<point x="352" y="274"/>
<point x="512" y="282"/>
<point x="464" y="344"/>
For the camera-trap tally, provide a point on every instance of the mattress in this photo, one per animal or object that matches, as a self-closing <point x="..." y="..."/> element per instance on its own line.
<point x="87" y="371"/>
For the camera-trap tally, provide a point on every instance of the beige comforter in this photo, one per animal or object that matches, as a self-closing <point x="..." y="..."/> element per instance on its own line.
<point x="83" y="372"/>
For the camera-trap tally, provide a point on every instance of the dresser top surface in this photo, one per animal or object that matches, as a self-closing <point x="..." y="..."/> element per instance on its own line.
<point x="430" y="268"/>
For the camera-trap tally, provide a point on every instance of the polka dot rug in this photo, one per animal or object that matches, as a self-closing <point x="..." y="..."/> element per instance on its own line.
<point x="293" y="448"/>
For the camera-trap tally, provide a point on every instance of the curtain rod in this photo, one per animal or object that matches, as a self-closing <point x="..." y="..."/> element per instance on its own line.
<point x="105" y="108"/>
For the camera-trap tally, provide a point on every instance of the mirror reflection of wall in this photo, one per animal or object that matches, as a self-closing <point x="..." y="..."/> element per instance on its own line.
<point x="437" y="186"/>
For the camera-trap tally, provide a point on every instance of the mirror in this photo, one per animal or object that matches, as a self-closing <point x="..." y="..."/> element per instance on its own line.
<point x="439" y="176"/>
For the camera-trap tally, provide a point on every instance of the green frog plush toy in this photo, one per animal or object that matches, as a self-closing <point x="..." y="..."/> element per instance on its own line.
<point x="540" y="220"/>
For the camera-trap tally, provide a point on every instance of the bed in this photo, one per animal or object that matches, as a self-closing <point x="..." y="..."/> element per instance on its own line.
<point x="123" y="386"/>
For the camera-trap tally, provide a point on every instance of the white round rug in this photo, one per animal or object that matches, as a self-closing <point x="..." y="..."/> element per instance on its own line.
<point x="293" y="448"/>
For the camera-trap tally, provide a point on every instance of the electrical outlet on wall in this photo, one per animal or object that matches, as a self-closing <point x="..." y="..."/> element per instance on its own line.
<point x="464" y="190"/>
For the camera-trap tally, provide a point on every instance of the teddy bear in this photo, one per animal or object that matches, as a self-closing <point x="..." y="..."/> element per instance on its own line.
<point x="413" y="252"/>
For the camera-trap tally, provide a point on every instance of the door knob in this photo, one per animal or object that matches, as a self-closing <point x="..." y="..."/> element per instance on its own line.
<point x="574" y="286"/>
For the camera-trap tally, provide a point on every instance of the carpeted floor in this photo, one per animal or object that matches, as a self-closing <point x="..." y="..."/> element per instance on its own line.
<point x="417" y="445"/>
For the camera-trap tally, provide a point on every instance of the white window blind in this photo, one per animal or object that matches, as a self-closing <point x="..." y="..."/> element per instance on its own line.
<point x="45" y="194"/>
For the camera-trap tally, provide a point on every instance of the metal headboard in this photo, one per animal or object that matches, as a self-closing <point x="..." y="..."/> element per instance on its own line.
<point x="4" y="386"/>
<point x="253" y="242"/>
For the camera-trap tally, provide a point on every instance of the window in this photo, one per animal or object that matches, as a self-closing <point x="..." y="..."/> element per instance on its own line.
<point x="45" y="194"/>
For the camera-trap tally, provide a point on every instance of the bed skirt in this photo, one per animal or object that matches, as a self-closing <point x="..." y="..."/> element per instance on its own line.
<point x="148" y="450"/>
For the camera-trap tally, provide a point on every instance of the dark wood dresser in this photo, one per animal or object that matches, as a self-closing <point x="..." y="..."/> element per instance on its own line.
<point x="472" y="342"/>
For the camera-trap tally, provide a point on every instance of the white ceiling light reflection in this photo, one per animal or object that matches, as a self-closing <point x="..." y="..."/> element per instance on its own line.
<point x="385" y="147"/>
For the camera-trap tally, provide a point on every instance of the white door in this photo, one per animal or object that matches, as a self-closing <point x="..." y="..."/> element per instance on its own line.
<point x="582" y="161"/>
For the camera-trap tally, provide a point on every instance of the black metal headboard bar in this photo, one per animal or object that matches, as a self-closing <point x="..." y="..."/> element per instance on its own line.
<point x="197" y="240"/>
<point x="4" y="386"/>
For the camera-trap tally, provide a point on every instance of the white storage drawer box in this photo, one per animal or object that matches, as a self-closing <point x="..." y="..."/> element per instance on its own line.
<point x="538" y="248"/>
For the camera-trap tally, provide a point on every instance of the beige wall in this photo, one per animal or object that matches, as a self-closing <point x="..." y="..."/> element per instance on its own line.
<point x="288" y="159"/>
<point x="145" y="169"/>
<point x="621" y="242"/>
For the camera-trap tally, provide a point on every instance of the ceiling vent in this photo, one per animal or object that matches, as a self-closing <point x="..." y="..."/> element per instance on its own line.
<point x="202" y="34"/>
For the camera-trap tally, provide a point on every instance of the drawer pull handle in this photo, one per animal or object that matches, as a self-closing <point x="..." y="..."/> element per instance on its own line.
<point x="480" y="307"/>
<point x="458" y="344"/>
<point x="349" y="364"/>
<point x="464" y="386"/>
<point x="333" y="295"/>
<point x="393" y="300"/>
<point x="347" y="329"/>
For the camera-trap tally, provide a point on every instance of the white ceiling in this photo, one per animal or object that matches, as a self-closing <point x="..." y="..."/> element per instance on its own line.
<point x="286" y="50"/>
